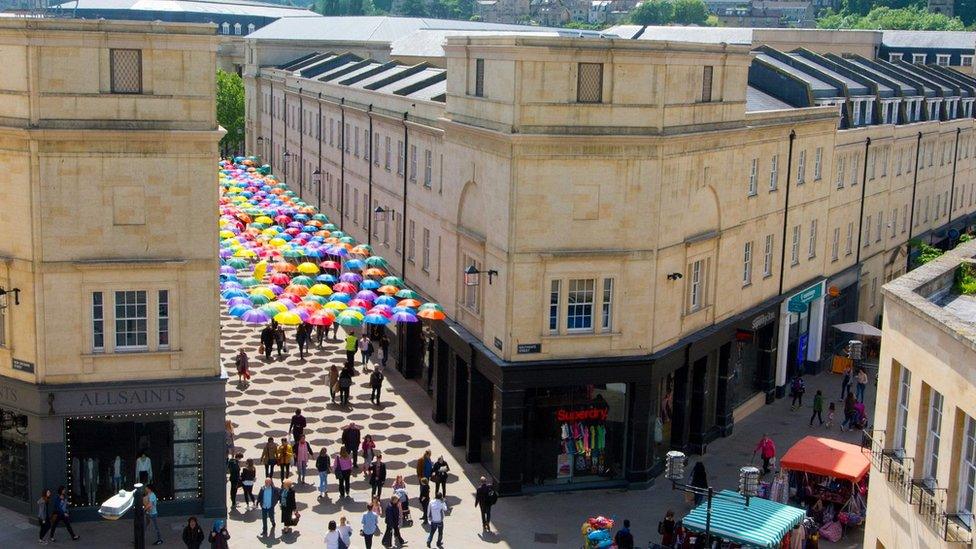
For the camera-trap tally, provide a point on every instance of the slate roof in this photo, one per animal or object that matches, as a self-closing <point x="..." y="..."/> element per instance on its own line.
<point x="960" y="40"/>
<point x="419" y="81"/>
<point x="701" y="35"/>
<point x="430" y="42"/>
<point x="757" y="100"/>
<point x="216" y="7"/>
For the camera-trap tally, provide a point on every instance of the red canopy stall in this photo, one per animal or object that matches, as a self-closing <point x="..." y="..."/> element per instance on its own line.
<point x="827" y="457"/>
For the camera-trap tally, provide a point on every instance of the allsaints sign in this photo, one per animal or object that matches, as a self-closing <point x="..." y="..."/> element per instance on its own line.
<point x="124" y="397"/>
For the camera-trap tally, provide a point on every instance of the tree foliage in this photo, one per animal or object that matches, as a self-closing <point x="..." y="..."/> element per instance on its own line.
<point x="664" y="12"/>
<point x="883" y="17"/>
<point x="230" y="109"/>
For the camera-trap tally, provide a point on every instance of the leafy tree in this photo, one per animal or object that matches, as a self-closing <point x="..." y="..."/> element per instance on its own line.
<point x="653" y="12"/>
<point x="690" y="12"/>
<point x="414" y="8"/>
<point x="882" y="17"/>
<point x="582" y="26"/>
<point x="230" y="109"/>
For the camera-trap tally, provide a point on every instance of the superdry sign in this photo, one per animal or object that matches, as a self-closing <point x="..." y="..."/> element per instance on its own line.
<point x="586" y="414"/>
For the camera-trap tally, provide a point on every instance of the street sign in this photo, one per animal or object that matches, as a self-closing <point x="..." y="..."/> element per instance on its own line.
<point x="528" y="348"/>
<point x="799" y="302"/>
<point x="23" y="366"/>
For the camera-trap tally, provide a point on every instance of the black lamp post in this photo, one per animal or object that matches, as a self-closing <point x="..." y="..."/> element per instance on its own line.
<point x="285" y="157"/>
<point x="3" y="294"/>
<point x="472" y="276"/>
<point x="674" y="470"/>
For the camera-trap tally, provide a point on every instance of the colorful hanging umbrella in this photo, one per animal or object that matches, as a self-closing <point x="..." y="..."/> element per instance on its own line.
<point x="403" y="317"/>
<point x="376" y="319"/>
<point x="303" y="281"/>
<point x="366" y="295"/>
<point x="340" y="296"/>
<point x="283" y="267"/>
<point x="432" y="305"/>
<point x="353" y="278"/>
<point x="369" y="284"/>
<point x="264" y="291"/>
<point x="344" y="287"/>
<point x="297" y="289"/>
<point x="388" y="289"/>
<point x="330" y="265"/>
<point x="320" y="290"/>
<point x="281" y="279"/>
<point x="407" y="294"/>
<point x="255" y="316"/>
<point x="349" y="319"/>
<point x="237" y="262"/>
<point x="392" y="281"/>
<point x="409" y="302"/>
<point x="376" y="261"/>
<point x="324" y="317"/>
<point x="335" y="306"/>
<point x="385" y="300"/>
<point x="374" y="271"/>
<point x="326" y="279"/>
<point x="432" y="314"/>
<point x="355" y="264"/>
<point x="308" y="268"/>
<point x="258" y="299"/>
<point x="288" y="318"/>
<point x="238" y="310"/>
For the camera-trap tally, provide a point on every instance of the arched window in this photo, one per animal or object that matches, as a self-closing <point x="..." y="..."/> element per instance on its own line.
<point x="250" y="28"/>
<point x="237" y="28"/>
<point x="225" y="28"/>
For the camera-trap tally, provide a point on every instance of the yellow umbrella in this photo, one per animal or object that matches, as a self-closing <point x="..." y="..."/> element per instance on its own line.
<point x="336" y="306"/>
<point x="320" y="289"/>
<point x="269" y="232"/>
<point x="244" y="252"/>
<point x="278" y="242"/>
<point x="264" y="219"/>
<point x="288" y="318"/>
<point x="263" y="290"/>
<point x="222" y="222"/>
<point x="278" y="306"/>
<point x="353" y="312"/>
<point x="227" y="234"/>
<point x="260" y="269"/>
<point x="308" y="268"/>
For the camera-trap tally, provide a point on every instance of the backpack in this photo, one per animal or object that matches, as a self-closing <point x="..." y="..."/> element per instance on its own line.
<point x="492" y="496"/>
<point x="797" y="386"/>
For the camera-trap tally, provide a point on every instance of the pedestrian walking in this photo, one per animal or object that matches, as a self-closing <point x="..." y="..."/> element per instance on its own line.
<point x="425" y="467"/>
<point x="192" y="534"/>
<point x="849" y="412"/>
<point x="267" y="342"/>
<point x="248" y="476"/>
<point x="365" y="345"/>
<point x="485" y="498"/>
<point x="303" y="453"/>
<point x="767" y="451"/>
<point x="242" y="362"/>
<point x="351" y="440"/>
<point x="335" y="330"/>
<point x="320" y="334"/>
<point x="384" y="349"/>
<point x="377" y="477"/>
<point x="435" y="514"/>
<point x="797" y="388"/>
<point x="44" y="515"/>
<point x="424" y="498"/>
<point x="333" y="382"/>
<point x="269" y="457"/>
<point x="332" y="538"/>
<point x="345" y="532"/>
<point x="342" y="466"/>
<point x="61" y="515"/>
<point x="699" y="479"/>
<point x="268" y="498"/>
<point x="150" y="505"/>
<point x="845" y="383"/>
<point x="279" y="339"/>
<point x="667" y="528"/>
<point x="219" y="535"/>
<point x="623" y="539"/>
<point x="345" y="383"/>
<point x="234" y="477"/>
<point x="440" y="475"/>
<point x="391" y="517"/>
<point x="831" y="410"/>
<point x="862" y="384"/>
<point x="370" y="526"/>
<point x="322" y="466"/>
<point x="288" y="505"/>
<point x="285" y="455"/>
<point x="817" y="408"/>
<point x="350" y="348"/>
<point x="368" y="448"/>
<point x="375" y="384"/>
<point x="229" y="437"/>
<point x="302" y="336"/>
<point x="297" y="425"/>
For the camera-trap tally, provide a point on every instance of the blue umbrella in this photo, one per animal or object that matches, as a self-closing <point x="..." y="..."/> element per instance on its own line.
<point x="326" y="278"/>
<point x="238" y="310"/>
<point x="404" y="310"/>
<point x="370" y="284"/>
<point x="377" y="319"/>
<point x="339" y="296"/>
<point x="233" y="292"/>
<point x="385" y="300"/>
<point x="403" y="316"/>
<point x="356" y="264"/>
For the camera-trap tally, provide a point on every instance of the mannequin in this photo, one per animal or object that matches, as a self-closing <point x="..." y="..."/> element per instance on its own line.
<point x="91" y="480"/>
<point x="144" y="468"/>
<point x="117" y="474"/>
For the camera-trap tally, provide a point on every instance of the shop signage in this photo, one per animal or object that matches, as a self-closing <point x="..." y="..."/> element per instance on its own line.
<point x="129" y="397"/>
<point x="498" y="344"/>
<point x="763" y="319"/>
<point x="23" y="366"/>
<point x="799" y="302"/>
<point x="528" y="348"/>
<point x="586" y="414"/>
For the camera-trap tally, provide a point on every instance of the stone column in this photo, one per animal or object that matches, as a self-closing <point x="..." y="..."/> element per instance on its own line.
<point x="641" y="458"/>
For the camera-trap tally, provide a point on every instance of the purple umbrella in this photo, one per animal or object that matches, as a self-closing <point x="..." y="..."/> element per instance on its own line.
<point x="354" y="278"/>
<point x="227" y="269"/>
<point x="366" y="295"/>
<point x="235" y="301"/>
<point x="255" y="316"/>
<point x="403" y="316"/>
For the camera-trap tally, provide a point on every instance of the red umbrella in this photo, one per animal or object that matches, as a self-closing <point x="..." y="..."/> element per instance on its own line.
<point x="360" y="303"/>
<point x="329" y="265"/>
<point x="345" y="287"/>
<point x="281" y="279"/>
<point x="322" y="317"/>
<point x="282" y="220"/>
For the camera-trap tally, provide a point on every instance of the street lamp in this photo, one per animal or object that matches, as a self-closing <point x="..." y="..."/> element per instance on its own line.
<point x="119" y="504"/>
<point x="674" y="470"/>
<point x="260" y="142"/>
<point x="379" y="214"/>
<point x="472" y="276"/>
<point x="4" y="299"/>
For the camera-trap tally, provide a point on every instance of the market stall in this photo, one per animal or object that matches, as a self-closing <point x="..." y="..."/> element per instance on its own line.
<point x="830" y="478"/>
<point x="761" y="523"/>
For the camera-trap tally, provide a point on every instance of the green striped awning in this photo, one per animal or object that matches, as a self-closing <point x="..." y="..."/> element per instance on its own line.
<point x="762" y="524"/>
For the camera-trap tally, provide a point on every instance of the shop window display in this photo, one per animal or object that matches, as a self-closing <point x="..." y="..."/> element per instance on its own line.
<point x="13" y="455"/>
<point x="665" y="414"/>
<point x="111" y="452"/>
<point x="576" y="434"/>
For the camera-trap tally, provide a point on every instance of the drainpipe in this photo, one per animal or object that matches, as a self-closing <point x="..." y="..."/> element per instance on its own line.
<point x="342" y="161"/>
<point x="911" y="216"/>
<point x="284" y="116"/>
<point x="319" y="125"/>
<point x="864" y="189"/>
<point x="786" y="212"/>
<point x="369" y="177"/>
<point x="406" y="170"/>
<point x="271" y="145"/>
<point x="952" y="185"/>
<point x="301" y="145"/>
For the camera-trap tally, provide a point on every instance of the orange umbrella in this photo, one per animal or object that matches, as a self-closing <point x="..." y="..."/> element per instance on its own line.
<point x="283" y="267"/>
<point x="429" y="314"/>
<point x="409" y="303"/>
<point x="374" y="271"/>
<point x="388" y="290"/>
<point x="296" y="289"/>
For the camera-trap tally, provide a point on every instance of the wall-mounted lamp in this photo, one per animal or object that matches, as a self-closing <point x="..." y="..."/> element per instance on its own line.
<point x="379" y="214"/>
<point x="472" y="276"/>
<point x="286" y="156"/>
<point x="675" y="276"/>
<point x="3" y="298"/>
<point x="317" y="177"/>
<point x="260" y="141"/>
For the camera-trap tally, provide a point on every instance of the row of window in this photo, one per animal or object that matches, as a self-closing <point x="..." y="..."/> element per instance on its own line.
<point x="801" y="167"/>
<point x="941" y="59"/>
<point x="225" y="28"/>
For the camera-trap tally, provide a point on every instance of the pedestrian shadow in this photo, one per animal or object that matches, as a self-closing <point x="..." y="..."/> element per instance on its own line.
<point x="490" y="537"/>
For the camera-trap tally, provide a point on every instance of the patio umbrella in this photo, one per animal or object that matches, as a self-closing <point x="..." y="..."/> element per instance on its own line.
<point x="859" y="328"/>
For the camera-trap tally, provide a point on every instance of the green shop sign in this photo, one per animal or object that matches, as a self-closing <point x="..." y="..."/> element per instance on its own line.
<point x="799" y="302"/>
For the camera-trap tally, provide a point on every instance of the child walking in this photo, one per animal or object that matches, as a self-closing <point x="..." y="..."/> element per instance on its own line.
<point x="830" y="416"/>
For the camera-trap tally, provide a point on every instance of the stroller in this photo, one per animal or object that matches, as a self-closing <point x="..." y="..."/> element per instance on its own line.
<point x="405" y="518"/>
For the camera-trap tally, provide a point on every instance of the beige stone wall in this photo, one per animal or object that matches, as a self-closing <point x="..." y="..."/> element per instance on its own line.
<point x="106" y="195"/>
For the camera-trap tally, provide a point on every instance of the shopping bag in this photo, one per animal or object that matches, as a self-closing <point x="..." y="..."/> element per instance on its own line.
<point x="831" y="531"/>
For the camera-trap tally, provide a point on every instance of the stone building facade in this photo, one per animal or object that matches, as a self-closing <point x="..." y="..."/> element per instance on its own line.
<point x="109" y="325"/>
<point x="923" y="477"/>
<point x="670" y="241"/>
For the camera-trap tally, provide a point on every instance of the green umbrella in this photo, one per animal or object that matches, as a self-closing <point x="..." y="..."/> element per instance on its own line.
<point x="258" y="299"/>
<point x="291" y="254"/>
<point x="349" y="321"/>
<point x="376" y="261"/>
<point x="321" y="300"/>
<point x="434" y="306"/>
<point x="407" y="294"/>
<point x="347" y="240"/>
<point x="249" y="281"/>
<point x="321" y="217"/>
<point x="237" y="262"/>
<point x="391" y="281"/>
<point x="261" y="226"/>
<point x="329" y="227"/>
<point x="269" y="310"/>
<point x="303" y="280"/>
<point x="338" y="234"/>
